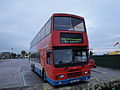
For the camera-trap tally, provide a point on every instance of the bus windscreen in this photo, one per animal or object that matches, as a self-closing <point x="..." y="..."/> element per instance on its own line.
<point x="69" y="24"/>
<point x="70" y="57"/>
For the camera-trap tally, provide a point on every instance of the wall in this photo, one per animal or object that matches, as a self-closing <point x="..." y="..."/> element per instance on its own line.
<point x="112" y="61"/>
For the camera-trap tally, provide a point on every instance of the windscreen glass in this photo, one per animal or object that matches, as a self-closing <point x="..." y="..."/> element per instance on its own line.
<point x="62" y="56"/>
<point x="70" y="57"/>
<point x="68" y="24"/>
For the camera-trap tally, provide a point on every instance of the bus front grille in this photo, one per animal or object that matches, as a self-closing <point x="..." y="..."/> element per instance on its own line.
<point x="75" y="74"/>
<point x="74" y="70"/>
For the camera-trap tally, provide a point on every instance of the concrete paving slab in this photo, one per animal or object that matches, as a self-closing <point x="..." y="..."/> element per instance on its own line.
<point x="10" y="78"/>
<point x="16" y="74"/>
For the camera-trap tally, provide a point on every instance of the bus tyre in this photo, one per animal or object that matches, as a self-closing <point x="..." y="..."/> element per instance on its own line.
<point x="44" y="77"/>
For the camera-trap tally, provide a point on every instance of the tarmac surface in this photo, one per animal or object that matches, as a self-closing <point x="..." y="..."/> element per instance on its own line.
<point x="16" y="74"/>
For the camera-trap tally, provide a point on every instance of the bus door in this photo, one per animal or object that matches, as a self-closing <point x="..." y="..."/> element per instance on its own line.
<point x="49" y="63"/>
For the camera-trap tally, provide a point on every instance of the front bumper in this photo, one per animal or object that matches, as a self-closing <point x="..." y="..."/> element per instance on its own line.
<point x="67" y="81"/>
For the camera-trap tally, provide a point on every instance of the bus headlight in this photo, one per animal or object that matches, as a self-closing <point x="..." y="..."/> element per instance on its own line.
<point x="86" y="72"/>
<point x="61" y="76"/>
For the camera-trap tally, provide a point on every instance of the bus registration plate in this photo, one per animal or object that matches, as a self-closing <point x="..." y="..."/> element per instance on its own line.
<point x="76" y="80"/>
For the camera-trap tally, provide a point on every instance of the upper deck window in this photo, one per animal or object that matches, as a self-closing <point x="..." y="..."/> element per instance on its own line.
<point x="68" y="24"/>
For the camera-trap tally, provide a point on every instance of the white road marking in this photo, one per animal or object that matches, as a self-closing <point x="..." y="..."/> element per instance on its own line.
<point x="22" y="76"/>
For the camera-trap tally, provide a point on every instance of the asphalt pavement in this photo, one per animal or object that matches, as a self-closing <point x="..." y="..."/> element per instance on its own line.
<point x="17" y="74"/>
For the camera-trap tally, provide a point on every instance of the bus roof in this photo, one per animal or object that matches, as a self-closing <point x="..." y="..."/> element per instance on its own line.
<point x="65" y="14"/>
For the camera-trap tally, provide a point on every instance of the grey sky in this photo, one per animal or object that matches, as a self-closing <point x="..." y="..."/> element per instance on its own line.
<point x="20" y="20"/>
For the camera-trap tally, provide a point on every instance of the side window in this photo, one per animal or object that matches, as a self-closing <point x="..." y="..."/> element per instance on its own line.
<point x="42" y="34"/>
<point x="48" y="27"/>
<point x="49" y="58"/>
<point x="43" y="31"/>
<point x="39" y="36"/>
<point x="37" y="56"/>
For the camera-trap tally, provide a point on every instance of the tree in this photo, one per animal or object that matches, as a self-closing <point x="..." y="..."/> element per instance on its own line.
<point x="23" y="52"/>
<point x="18" y="56"/>
<point x="13" y="55"/>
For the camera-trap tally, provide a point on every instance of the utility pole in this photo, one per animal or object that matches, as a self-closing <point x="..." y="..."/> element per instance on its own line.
<point x="12" y="53"/>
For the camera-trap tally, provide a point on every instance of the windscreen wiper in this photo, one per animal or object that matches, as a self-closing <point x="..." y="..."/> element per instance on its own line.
<point x="74" y="61"/>
<point x="60" y="62"/>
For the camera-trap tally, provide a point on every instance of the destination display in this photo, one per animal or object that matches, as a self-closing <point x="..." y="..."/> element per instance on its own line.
<point x="71" y="38"/>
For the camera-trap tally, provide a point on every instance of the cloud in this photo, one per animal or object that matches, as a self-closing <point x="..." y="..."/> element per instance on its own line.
<point x="20" y="20"/>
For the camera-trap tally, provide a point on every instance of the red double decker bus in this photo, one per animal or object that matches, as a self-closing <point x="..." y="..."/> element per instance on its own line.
<point x="59" y="52"/>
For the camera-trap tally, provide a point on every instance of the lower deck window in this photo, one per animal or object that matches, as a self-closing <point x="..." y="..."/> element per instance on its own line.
<point x="70" y="57"/>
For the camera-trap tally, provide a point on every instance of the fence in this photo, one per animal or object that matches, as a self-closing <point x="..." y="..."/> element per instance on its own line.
<point x="111" y="61"/>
